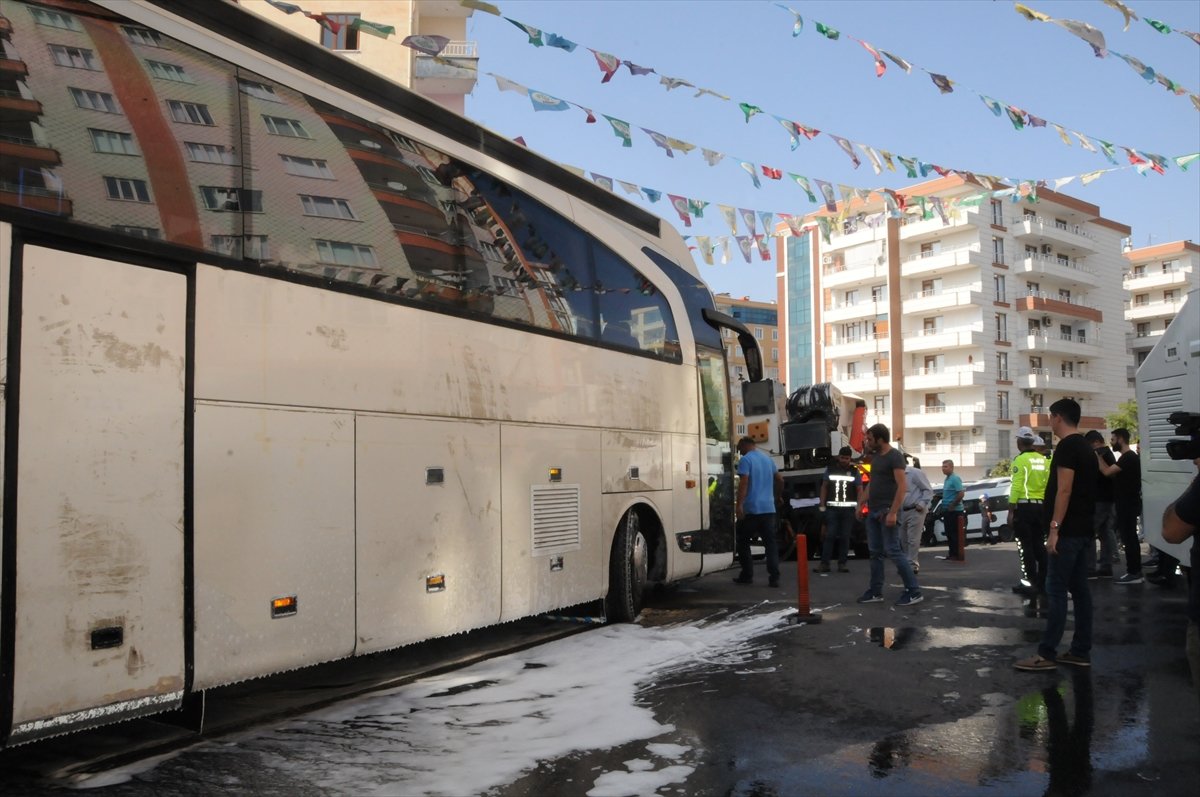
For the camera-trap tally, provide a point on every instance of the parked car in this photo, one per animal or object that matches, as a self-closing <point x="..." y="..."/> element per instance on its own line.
<point x="997" y="490"/>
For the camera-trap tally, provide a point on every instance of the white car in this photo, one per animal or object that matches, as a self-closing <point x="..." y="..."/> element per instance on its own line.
<point x="997" y="490"/>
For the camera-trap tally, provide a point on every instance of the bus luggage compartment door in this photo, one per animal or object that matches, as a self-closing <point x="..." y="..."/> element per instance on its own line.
<point x="99" y="531"/>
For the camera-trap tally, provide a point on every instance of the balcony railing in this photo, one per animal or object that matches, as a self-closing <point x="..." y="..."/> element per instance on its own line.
<point x="952" y="369"/>
<point x="1079" y="300"/>
<point x="1074" y="229"/>
<point x="839" y="340"/>
<point x="944" y="409"/>
<point x="1075" y="264"/>
<point x="961" y="254"/>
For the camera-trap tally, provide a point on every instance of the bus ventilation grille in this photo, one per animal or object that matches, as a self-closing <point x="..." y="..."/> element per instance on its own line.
<point x="554" y="511"/>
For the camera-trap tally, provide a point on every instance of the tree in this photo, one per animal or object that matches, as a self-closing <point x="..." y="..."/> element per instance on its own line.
<point x="1001" y="468"/>
<point x="1126" y="417"/>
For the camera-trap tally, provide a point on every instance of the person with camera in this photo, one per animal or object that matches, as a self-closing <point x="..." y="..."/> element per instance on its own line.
<point x="1181" y="521"/>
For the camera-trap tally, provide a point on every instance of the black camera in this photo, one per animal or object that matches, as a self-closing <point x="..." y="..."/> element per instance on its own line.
<point x="1187" y="424"/>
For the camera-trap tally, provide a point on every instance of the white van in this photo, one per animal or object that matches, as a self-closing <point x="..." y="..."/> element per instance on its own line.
<point x="997" y="490"/>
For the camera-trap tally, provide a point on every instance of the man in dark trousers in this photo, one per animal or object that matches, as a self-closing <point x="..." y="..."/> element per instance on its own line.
<point x="1127" y="494"/>
<point x="1069" y="510"/>
<point x="760" y="487"/>
<point x="1030" y="473"/>
<point x="885" y="496"/>
<point x="839" y="503"/>
<point x="1106" y="513"/>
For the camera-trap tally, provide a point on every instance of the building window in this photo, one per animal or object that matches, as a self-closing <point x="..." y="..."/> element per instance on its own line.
<point x="758" y="333"/>
<point x="327" y="207"/>
<point x="1064" y="295"/>
<point x="189" y="113"/>
<point x="112" y="142"/>
<point x="126" y="189"/>
<point x="851" y="370"/>
<point x="168" y="71"/>
<point x="307" y="167"/>
<point x="210" y="153"/>
<point x="880" y="404"/>
<point x="1005" y="448"/>
<point x="253" y="247"/>
<point x="878" y="293"/>
<point x="1060" y="224"/>
<point x="1002" y="405"/>
<point x="1002" y="365"/>
<point x="150" y="233"/>
<point x="231" y="199"/>
<point x="1143" y="329"/>
<point x="1170" y="296"/>
<point x="74" y="57"/>
<point x="94" y="100"/>
<point x="998" y="282"/>
<point x="53" y="19"/>
<point x="258" y="90"/>
<point x="145" y="36"/>
<point x="280" y="126"/>
<point x="997" y="250"/>
<point x="345" y="37"/>
<point x="1001" y="326"/>
<point x="775" y="355"/>
<point x="1068" y="369"/>
<point x="997" y="212"/>
<point x="1167" y="267"/>
<point x="1141" y="356"/>
<point x="774" y="334"/>
<point x="340" y="253"/>
<point x="739" y="409"/>
<point x="741" y="428"/>
<point x="935" y="401"/>
<point x="1141" y="299"/>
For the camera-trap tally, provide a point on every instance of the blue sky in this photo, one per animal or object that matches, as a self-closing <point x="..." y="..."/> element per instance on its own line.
<point x="746" y="50"/>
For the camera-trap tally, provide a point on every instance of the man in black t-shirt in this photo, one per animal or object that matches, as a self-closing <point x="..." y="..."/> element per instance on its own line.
<point x="1180" y="521"/>
<point x="1106" y="513"/>
<point x="1127" y="493"/>
<point x="1069" y="509"/>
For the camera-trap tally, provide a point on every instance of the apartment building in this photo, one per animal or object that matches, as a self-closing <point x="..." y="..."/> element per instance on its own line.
<point x="960" y="323"/>
<point x="446" y="79"/>
<point x="762" y="319"/>
<point x="1157" y="279"/>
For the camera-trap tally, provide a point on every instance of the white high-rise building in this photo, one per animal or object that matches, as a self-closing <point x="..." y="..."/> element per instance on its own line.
<point x="1157" y="279"/>
<point x="959" y="330"/>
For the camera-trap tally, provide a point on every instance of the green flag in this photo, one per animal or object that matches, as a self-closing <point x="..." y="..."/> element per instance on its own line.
<point x="373" y="28"/>
<point x="621" y="130"/>
<point x="1161" y="27"/>
<point x="749" y="109"/>
<point x="828" y="32"/>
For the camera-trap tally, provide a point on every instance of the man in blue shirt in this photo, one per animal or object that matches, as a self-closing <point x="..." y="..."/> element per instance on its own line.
<point x="952" y="507"/>
<point x="759" y="486"/>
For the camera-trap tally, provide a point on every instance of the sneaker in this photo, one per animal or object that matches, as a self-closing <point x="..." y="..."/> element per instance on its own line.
<point x="843" y="569"/>
<point x="773" y="582"/>
<point x="822" y="568"/>
<point x="910" y="598"/>
<point x="916" y="568"/>
<point x="1130" y="578"/>
<point x="870" y="597"/>
<point x="1036" y="664"/>
<point x="1073" y="660"/>
<point x="1103" y="572"/>
<point x="743" y="580"/>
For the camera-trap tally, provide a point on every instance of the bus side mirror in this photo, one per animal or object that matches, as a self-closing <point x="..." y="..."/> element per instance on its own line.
<point x="758" y="398"/>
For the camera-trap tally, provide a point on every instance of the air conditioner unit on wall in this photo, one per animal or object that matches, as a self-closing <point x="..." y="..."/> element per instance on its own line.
<point x="939" y="435"/>
<point x="1047" y="320"/>
<point x="1047" y="249"/>
<point x="976" y="430"/>
<point x="826" y="260"/>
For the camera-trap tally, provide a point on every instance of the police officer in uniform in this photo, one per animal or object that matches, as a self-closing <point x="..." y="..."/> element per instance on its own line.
<point x="1030" y="473"/>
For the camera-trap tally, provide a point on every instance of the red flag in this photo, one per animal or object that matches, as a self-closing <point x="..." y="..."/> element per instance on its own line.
<point x="324" y="21"/>
<point x="774" y="174"/>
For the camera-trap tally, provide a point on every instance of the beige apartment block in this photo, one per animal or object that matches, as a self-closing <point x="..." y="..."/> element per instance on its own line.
<point x="958" y="331"/>
<point x="1157" y="280"/>
<point x="446" y="79"/>
<point x="762" y="319"/>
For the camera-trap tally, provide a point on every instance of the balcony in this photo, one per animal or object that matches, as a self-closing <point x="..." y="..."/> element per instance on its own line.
<point x="1063" y="344"/>
<point x="943" y="262"/>
<point x="38" y="199"/>
<point x="929" y="301"/>
<point x="28" y="151"/>
<point x="946" y="416"/>
<point x="930" y="229"/>
<point x="936" y="378"/>
<point x="944" y="339"/>
<point x="841" y="311"/>
<point x="1072" y="236"/>
<point x="1065" y="270"/>
<point x="840" y="276"/>
<point x="1166" y="308"/>
<point x="1074" y="307"/>
<point x="14" y="105"/>
<point x="1136" y="341"/>
<point x="861" y="235"/>
<point x="856" y="346"/>
<point x="1158" y="279"/>
<point x="870" y="382"/>
<point x="453" y="71"/>
<point x="964" y="455"/>
<point x="1069" y="382"/>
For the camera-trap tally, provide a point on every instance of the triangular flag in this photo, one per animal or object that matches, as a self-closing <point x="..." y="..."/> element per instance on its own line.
<point x="1090" y="176"/>
<point x="651" y="194"/>
<point x="1086" y="32"/>
<point x="1146" y="73"/>
<point x="1161" y="27"/>
<point x="798" y="24"/>
<point x="1016" y="116"/>
<point x="1030" y="14"/>
<point x="430" y="45"/>
<point x="749" y="220"/>
<point x="898" y="61"/>
<point x="1062" y="133"/>
<point x="634" y="69"/>
<point x="827" y="192"/>
<point x="772" y="173"/>
<point x="793" y="224"/>
<point x="873" y="157"/>
<point x="660" y="140"/>
<point x="730" y="214"/>
<point x="995" y="107"/>
<point x="673" y="82"/>
<point x="1182" y="161"/>
<point x="880" y="66"/>
<point x="701" y="92"/>
<point x="373" y="28"/>
<point x="1109" y="151"/>
<point x="710" y="157"/>
<point x="546" y="102"/>
<point x="752" y="170"/>
<point x="602" y="181"/>
<point x="681" y="207"/>
<point x="287" y="8"/>
<point x="827" y="32"/>
<point x="803" y="183"/>
<point x="768" y="221"/>
<point x="704" y="244"/>
<point x="764" y="251"/>
<point x="909" y="164"/>
<point x="744" y="243"/>
<point x="630" y="188"/>
<point x="1083" y="141"/>
<point x="1125" y="11"/>
<point x="945" y="85"/>
<point x="621" y="130"/>
<point x="749" y="110"/>
<point x="609" y="64"/>
<point x="696" y="207"/>
<point x="535" y="35"/>
<point x="846" y="148"/>
<point x="479" y="5"/>
<point x="554" y="40"/>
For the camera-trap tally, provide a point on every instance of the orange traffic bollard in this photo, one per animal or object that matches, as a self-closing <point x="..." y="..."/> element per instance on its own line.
<point x="804" y="610"/>
<point x="962" y="539"/>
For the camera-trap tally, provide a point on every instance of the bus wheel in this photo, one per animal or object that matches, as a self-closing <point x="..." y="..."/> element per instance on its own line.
<point x="628" y="571"/>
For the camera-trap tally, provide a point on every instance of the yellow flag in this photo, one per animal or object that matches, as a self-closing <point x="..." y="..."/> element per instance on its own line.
<point x="1090" y="176"/>
<point x="1030" y="14"/>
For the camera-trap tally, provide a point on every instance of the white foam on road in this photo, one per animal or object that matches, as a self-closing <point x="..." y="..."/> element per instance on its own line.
<point x="485" y="726"/>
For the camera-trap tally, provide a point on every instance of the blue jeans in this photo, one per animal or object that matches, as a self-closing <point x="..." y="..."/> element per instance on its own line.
<point x="1067" y="571"/>
<point x="884" y="541"/>
<point x="837" y="534"/>
<point x="749" y="527"/>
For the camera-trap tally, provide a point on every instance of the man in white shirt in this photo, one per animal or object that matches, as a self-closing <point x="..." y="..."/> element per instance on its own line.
<point x="917" y="497"/>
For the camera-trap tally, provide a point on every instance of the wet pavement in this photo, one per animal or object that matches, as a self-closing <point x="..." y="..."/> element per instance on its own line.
<point x="716" y="692"/>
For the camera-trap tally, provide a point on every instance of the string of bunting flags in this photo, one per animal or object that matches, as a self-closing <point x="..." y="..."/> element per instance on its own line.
<point x="1161" y="27"/>
<point x="878" y="158"/>
<point x="1095" y="38"/>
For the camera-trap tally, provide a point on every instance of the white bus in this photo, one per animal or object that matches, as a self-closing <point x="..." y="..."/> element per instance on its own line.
<point x="299" y="366"/>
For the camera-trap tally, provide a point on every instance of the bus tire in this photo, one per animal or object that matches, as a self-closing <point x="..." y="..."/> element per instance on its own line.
<point x="628" y="571"/>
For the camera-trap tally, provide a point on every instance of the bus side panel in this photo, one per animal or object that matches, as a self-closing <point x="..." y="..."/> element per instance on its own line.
<point x="428" y="498"/>
<point x="548" y="572"/>
<point x="274" y="519"/>
<point x="685" y="517"/>
<point x="627" y="452"/>
<point x="100" y="540"/>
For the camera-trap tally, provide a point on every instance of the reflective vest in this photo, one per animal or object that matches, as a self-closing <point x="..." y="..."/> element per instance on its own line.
<point x="1030" y="473"/>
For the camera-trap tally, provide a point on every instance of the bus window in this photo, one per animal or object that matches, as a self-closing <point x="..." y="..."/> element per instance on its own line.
<point x="632" y="312"/>
<point x="696" y="296"/>
<point x="718" y="460"/>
